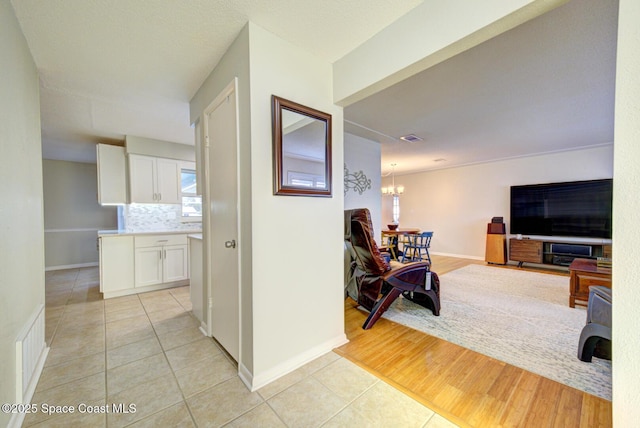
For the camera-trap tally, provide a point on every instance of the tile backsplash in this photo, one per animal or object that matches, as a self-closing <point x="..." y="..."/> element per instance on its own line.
<point x="153" y="217"/>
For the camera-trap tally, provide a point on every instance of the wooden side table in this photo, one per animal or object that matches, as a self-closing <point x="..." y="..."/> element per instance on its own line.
<point x="585" y="273"/>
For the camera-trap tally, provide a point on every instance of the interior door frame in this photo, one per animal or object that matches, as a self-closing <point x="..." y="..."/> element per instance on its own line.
<point x="230" y="90"/>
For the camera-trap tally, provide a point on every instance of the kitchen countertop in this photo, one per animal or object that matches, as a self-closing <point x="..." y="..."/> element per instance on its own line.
<point x="120" y="232"/>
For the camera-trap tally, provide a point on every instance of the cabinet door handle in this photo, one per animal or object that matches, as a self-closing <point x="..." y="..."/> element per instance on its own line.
<point x="164" y="252"/>
<point x="159" y="196"/>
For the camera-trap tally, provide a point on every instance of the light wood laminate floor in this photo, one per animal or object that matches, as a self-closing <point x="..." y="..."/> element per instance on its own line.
<point x="467" y="388"/>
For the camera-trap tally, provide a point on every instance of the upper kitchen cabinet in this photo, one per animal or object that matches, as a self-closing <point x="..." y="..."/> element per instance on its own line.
<point x="154" y="180"/>
<point x="112" y="177"/>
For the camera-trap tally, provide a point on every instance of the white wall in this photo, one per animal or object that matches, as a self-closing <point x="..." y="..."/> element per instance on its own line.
<point x="361" y="154"/>
<point x="22" y="226"/>
<point x="430" y="33"/>
<point x="291" y="299"/>
<point x="298" y="294"/>
<point x="159" y="148"/>
<point x="457" y="203"/>
<point x="626" y="228"/>
<point x="72" y="215"/>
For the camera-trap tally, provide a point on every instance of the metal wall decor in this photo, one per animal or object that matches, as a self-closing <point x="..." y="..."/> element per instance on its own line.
<point x="356" y="181"/>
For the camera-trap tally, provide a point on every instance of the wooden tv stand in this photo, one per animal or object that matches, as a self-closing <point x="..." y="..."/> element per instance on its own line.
<point x="540" y="251"/>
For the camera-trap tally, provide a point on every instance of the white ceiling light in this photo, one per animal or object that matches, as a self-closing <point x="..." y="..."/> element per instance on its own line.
<point x="393" y="190"/>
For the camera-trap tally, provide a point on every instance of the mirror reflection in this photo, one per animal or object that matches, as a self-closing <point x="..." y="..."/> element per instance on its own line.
<point x="302" y="150"/>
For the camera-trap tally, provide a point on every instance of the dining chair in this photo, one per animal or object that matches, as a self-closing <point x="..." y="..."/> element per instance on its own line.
<point x="390" y="244"/>
<point x="415" y="245"/>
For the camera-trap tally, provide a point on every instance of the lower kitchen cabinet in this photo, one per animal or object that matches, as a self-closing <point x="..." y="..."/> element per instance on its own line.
<point x="116" y="264"/>
<point x="161" y="259"/>
<point x="131" y="264"/>
<point x="148" y="266"/>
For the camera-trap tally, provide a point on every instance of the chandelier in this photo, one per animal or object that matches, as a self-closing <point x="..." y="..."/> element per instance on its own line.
<point x="393" y="190"/>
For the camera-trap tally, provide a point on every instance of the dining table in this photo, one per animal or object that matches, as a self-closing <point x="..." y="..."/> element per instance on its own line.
<point x="390" y="240"/>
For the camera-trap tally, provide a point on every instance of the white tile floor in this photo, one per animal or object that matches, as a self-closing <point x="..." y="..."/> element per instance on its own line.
<point x="146" y="350"/>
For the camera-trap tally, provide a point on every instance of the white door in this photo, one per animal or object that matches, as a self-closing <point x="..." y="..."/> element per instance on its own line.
<point x="221" y="141"/>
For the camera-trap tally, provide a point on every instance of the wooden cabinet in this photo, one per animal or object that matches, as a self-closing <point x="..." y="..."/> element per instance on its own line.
<point x="525" y="250"/>
<point x="154" y="180"/>
<point x="554" y="251"/>
<point x="116" y="264"/>
<point x="584" y="274"/>
<point x="112" y="174"/>
<point x="160" y="259"/>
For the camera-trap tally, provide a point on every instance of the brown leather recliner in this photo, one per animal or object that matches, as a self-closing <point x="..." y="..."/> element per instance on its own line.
<point x="372" y="282"/>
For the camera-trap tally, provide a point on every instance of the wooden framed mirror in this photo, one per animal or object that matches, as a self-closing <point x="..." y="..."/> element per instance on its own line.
<point x="301" y="149"/>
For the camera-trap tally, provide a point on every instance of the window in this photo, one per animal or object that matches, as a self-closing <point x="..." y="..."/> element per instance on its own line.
<point x="302" y="179"/>
<point x="191" y="202"/>
<point x="396" y="209"/>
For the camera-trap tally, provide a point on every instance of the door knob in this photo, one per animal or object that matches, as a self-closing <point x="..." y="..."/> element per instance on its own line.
<point x="230" y="244"/>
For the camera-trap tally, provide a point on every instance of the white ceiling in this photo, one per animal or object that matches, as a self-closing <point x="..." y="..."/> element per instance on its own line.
<point x="545" y="86"/>
<point x="111" y="68"/>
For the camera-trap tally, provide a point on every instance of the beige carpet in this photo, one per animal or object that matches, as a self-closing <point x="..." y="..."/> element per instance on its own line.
<point x="519" y="317"/>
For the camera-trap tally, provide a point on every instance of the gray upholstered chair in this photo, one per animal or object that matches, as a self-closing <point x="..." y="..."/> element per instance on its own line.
<point x="595" y="339"/>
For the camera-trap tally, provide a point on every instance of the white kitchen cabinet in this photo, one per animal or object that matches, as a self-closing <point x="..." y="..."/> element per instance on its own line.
<point x="160" y="259"/>
<point x="148" y="266"/>
<point x="175" y="263"/>
<point x="116" y="264"/>
<point x="154" y="180"/>
<point x="112" y="174"/>
<point x="137" y="263"/>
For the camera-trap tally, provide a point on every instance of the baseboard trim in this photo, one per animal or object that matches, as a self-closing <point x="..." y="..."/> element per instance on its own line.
<point x="255" y="382"/>
<point x="459" y="256"/>
<point x="74" y="266"/>
<point x="245" y="376"/>
<point x="138" y="290"/>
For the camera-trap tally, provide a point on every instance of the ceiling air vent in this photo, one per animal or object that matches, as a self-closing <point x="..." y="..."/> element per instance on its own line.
<point x="411" y="138"/>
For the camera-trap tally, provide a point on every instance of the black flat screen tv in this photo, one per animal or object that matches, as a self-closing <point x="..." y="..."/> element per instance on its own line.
<point x="574" y="209"/>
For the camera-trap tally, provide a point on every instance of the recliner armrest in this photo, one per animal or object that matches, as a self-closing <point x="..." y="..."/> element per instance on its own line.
<point x="408" y="277"/>
<point x="602" y="291"/>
